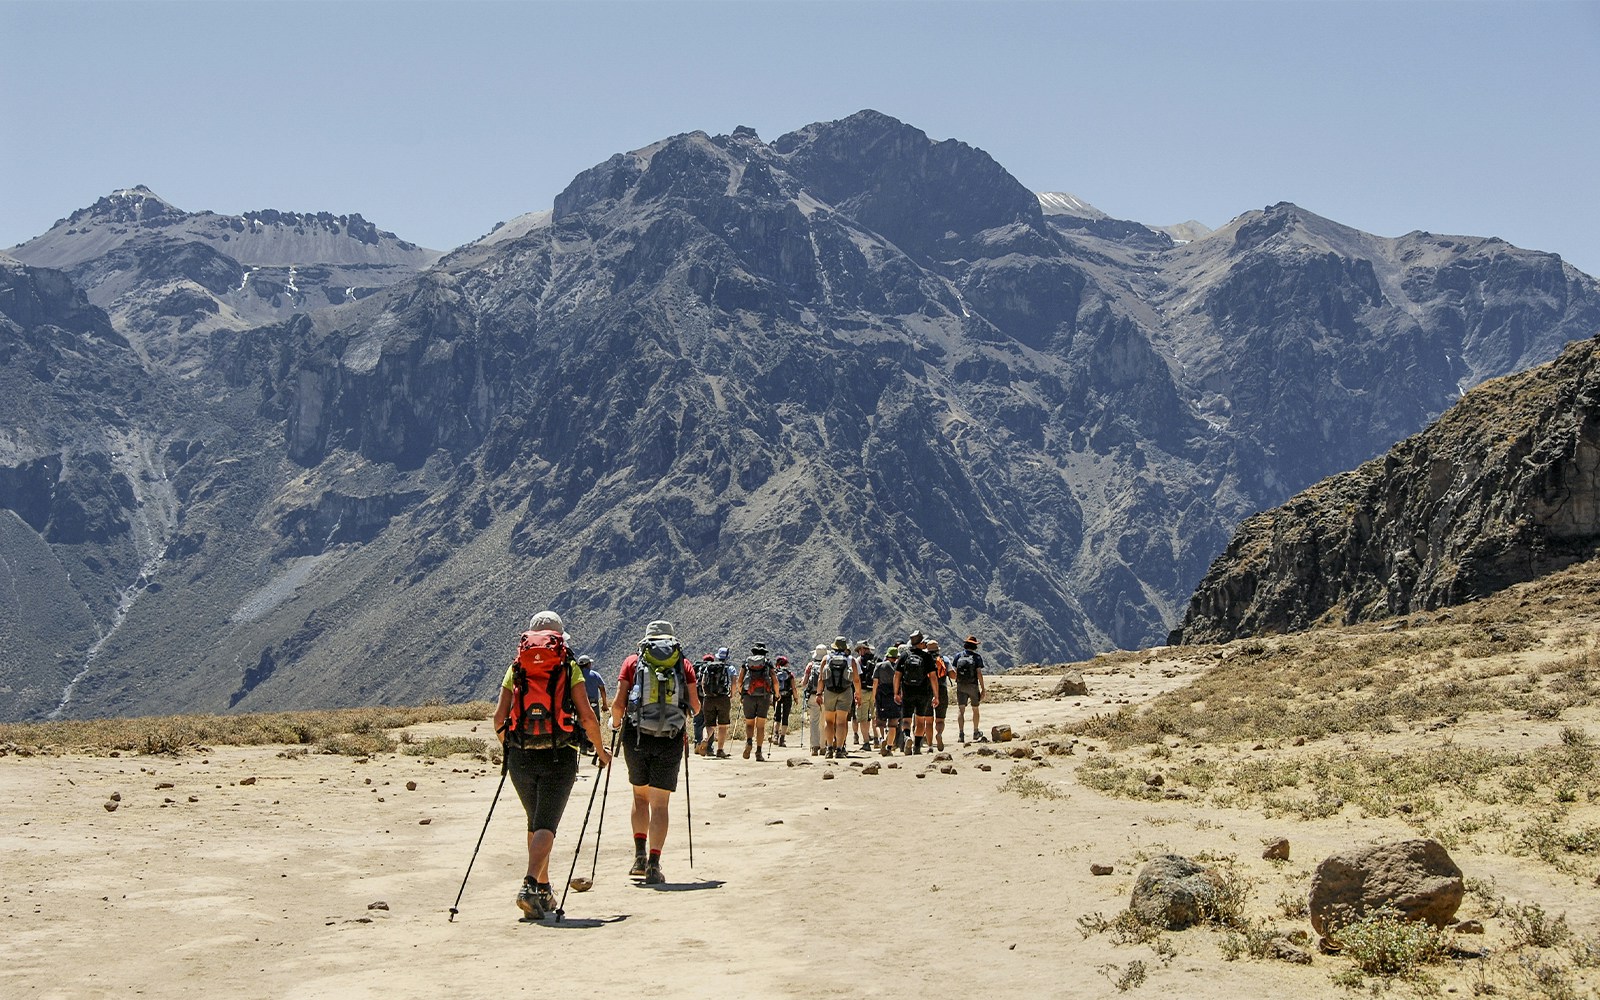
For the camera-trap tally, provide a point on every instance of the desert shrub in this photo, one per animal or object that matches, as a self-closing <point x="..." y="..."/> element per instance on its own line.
<point x="358" y="744"/>
<point x="1021" y="781"/>
<point x="444" y="746"/>
<point x="1383" y="943"/>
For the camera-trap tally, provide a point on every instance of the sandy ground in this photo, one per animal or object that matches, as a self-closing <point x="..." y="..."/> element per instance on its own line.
<point x="904" y="883"/>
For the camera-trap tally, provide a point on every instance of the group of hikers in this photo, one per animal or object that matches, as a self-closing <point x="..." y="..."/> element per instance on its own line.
<point x="551" y="701"/>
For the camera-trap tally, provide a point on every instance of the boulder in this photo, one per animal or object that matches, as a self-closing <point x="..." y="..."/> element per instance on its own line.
<point x="1071" y="685"/>
<point x="1415" y="878"/>
<point x="1174" y="892"/>
<point x="1275" y="849"/>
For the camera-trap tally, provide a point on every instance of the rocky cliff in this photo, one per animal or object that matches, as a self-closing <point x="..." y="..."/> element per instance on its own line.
<point x="852" y="379"/>
<point x="1503" y="488"/>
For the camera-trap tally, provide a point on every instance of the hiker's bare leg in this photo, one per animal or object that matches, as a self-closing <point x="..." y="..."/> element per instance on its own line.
<point x="657" y="799"/>
<point x="539" y="844"/>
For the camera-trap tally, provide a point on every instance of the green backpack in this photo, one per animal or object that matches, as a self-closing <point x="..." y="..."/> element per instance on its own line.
<point x="658" y="702"/>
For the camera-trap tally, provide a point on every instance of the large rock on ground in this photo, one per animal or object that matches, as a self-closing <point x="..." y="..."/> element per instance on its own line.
<point x="1174" y="892"/>
<point x="1416" y="878"/>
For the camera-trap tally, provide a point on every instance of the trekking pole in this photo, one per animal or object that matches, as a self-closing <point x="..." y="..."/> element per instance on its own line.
<point x="688" y="800"/>
<point x="561" y="908"/>
<point x="601" y="826"/>
<point x="505" y="766"/>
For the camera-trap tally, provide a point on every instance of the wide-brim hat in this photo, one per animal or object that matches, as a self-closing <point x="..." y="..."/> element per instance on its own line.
<point x="915" y="636"/>
<point x="970" y="640"/>
<point x="546" y="621"/>
<point x="840" y="642"/>
<point x="933" y="645"/>
<point x="759" y="649"/>
<point x="660" y="629"/>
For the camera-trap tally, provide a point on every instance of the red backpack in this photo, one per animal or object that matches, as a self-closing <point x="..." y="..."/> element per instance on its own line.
<point x="542" y="712"/>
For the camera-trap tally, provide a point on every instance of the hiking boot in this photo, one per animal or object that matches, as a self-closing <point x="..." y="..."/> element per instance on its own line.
<point x="722" y="754"/>
<point x="530" y="901"/>
<point x="758" y="754"/>
<point x="653" y="876"/>
<point x="747" y="745"/>
<point x="886" y="752"/>
<point x="547" y="898"/>
<point x="641" y="862"/>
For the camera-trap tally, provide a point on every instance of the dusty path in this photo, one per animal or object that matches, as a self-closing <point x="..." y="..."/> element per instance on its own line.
<point x="860" y="886"/>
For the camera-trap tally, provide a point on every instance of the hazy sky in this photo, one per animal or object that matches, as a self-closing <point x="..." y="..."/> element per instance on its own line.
<point x="437" y="120"/>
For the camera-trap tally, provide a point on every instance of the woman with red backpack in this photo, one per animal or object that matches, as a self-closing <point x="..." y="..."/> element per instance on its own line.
<point x="537" y="719"/>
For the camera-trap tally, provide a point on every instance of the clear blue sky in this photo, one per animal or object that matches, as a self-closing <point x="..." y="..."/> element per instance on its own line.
<point x="437" y="120"/>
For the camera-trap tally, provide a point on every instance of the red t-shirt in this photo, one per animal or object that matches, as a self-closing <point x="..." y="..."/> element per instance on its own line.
<point x="630" y="667"/>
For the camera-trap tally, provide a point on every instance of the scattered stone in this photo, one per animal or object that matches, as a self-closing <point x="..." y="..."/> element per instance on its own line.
<point x="424" y="822"/>
<point x="870" y="769"/>
<point x="1174" y="892"/>
<point x="163" y="784"/>
<point x="379" y="905"/>
<point x="722" y="795"/>
<point x="922" y="774"/>
<point x="411" y="786"/>
<point x="194" y="798"/>
<point x="1259" y="746"/>
<point x="948" y="769"/>
<point x="1469" y="927"/>
<point x="1099" y="869"/>
<point x="1299" y="741"/>
<point x="1155" y="780"/>
<point x="1071" y="685"/>
<point x="985" y="767"/>
<point x="987" y="751"/>
<point x="1281" y="949"/>
<point x="774" y="822"/>
<point x="247" y="781"/>
<point x="1275" y="849"/>
<point x="116" y="796"/>
<point x="1020" y="752"/>
<point x="1000" y="734"/>
<point x="857" y="763"/>
<point x="940" y="758"/>
<point x="828" y="775"/>
<point x="1415" y="877"/>
<point x="111" y="806"/>
<point x="894" y="765"/>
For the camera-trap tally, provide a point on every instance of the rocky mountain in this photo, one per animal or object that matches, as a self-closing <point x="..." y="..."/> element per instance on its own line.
<point x="168" y="278"/>
<point x="1505" y="487"/>
<point x="849" y="380"/>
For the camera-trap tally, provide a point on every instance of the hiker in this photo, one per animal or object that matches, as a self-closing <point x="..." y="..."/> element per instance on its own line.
<point x="861" y="715"/>
<point x="941" y="700"/>
<point x="840" y="688"/>
<point x="756" y="686"/>
<point x="810" y="684"/>
<point x="594" y="684"/>
<point x="537" y="720"/>
<point x="700" y="716"/>
<point x="914" y="686"/>
<point x="655" y="695"/>
<point x="786" y="685"/>
<point x="970" y="688"/>
<point x="717" y="686"/>
<point x="886" y="713"/>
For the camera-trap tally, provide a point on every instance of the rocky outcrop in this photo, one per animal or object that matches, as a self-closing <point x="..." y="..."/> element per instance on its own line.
<point x="1174" y="892"/>
<point x="1505" y="487"/>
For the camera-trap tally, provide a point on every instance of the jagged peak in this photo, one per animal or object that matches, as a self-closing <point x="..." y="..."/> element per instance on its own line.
<point x="1061" y="203"/>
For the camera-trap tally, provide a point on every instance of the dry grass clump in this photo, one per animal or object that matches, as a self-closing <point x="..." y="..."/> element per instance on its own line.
<point x="335" y="730"/>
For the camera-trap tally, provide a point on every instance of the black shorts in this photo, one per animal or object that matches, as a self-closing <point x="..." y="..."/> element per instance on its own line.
<point x="652" y="760"/>
<point x="917" y="704"/>
<point x="756" y="706"/>
<point x="543" y="780"/>
<point x="888" y="709"/>
<point x="968" y="694"/>
<point x="944" y="705"/>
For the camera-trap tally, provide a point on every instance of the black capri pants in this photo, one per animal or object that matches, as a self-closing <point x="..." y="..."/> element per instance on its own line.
<point x="543" y="780"/>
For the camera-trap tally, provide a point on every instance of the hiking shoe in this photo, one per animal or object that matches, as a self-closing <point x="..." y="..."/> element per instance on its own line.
<point x="885" y="752"/>
<point x="747" y="746"/>
<point x="653" y="876"/>
<point x="530" y="901"/>
<point x="547" y="898"/>
<point x="722" y="754"/>
<point x="640" y="863"/>
<point x="758" y="754"/>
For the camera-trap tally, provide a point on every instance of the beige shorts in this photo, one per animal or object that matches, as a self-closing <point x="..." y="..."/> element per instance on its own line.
<point x="838" y="701"/>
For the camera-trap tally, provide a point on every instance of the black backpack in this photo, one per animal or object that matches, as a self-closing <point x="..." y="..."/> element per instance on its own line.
<point x="836" y="672"/>
<point x="714" y="680"/>
<point x="914" y="669"/>
<point x="869" y="666"/>
<point x="968" y="664"/>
